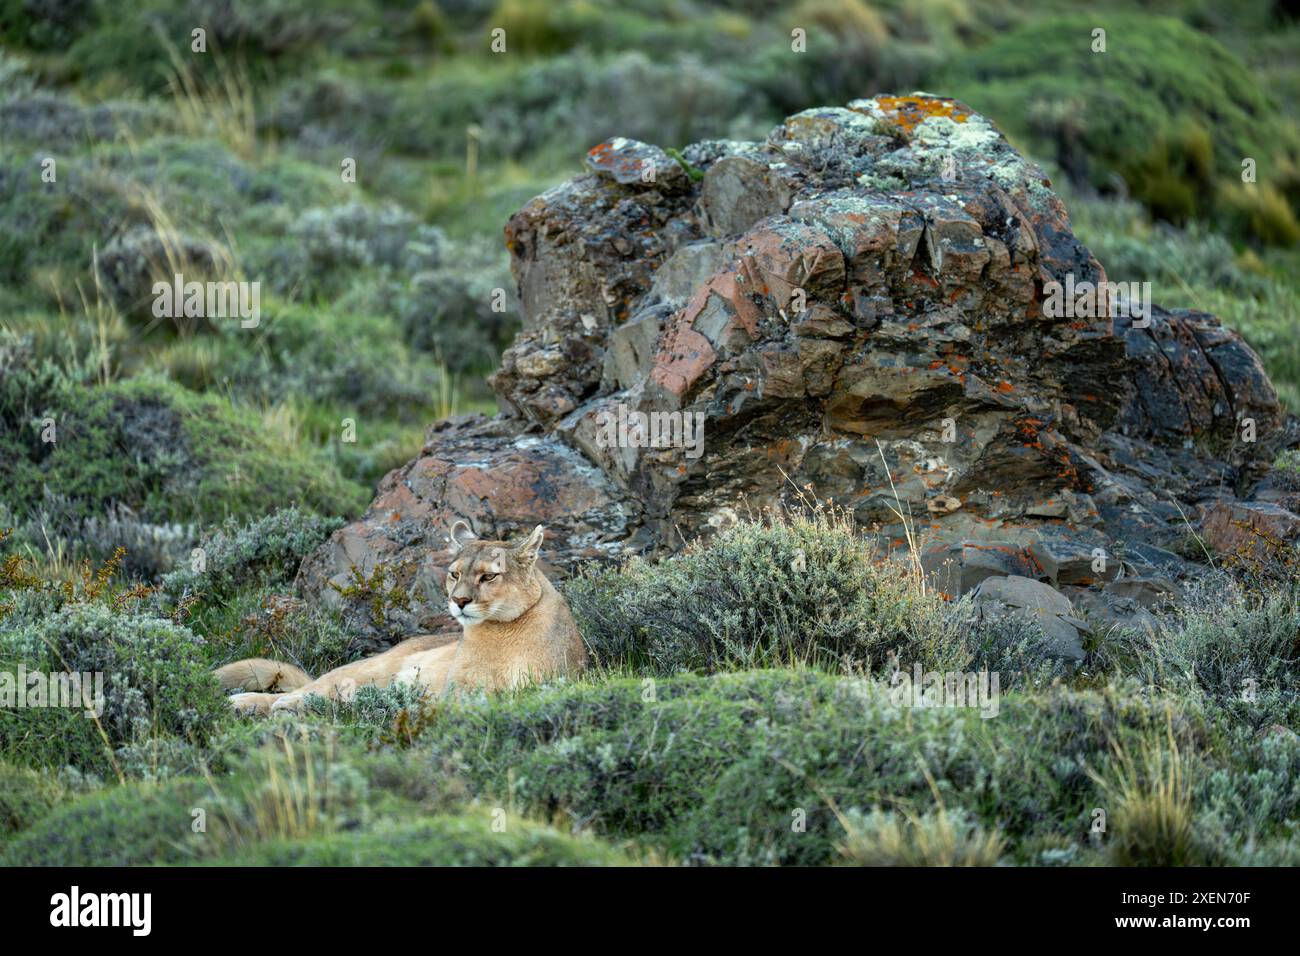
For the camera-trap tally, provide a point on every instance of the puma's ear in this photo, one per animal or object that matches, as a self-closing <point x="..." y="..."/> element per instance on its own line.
<point x="461" y="535"/>
<point x="526" y="553"/>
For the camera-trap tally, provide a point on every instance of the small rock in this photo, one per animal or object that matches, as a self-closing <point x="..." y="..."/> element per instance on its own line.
<point x="954" y="569"/>
<point x="943" y="505"/>
<point x="1038" y="602"/>
<point x="630" y="162"/>
<point x="739" y="191"/>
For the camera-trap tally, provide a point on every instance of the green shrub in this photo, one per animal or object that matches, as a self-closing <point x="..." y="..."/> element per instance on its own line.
<point x="1257" y="791"/>
<point x="372" y="709"/>
<point x="932" y="839"/>
<point x="803" y="589"/>
<point x="263" y="622"/>
<point x="239" y="598"/>
<point x="1235" y="647"/>
<point x="718" y="769"/>
<point x="166" y="453"/>
<point x="1286" y="470"/>
<point x="263" y="551"/>
<point x="295" y="785"/>
<point x="1262" y="211"/>
<point x="1278" y="852"/>
<point x="1166" y="107"/>
<point x="325" y="246"/>
<point x="47" y="24"/>
<point x="123" y="45"/>
<point x="156" y="686"/>
<point x="119" y="826"/>
<point x="467" y="839"/>
<point x="26" y="795"/>
<point x="344" y="361"/>
<point x="536" y="28"/>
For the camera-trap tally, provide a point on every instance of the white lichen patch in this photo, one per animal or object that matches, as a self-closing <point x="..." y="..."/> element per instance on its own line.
<point x="975" y="133"/>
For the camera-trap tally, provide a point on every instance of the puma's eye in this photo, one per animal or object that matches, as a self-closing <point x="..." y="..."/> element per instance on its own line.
<point x="454" y="575"/>
<point x="488" y="577"/>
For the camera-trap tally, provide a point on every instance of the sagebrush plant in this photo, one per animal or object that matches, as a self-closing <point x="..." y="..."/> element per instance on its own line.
<point x="238" y="598"/>
<point x="373" y="708"/>
<point x="1286" y="470"/>
<point x="317" y="639"/>
<point x="1013" y="646"/>
<point x="1254" y="795"/>
<point x="239" y="555"/>
<point x="803" y="587"/>
<point x="784" y="589"/>
<point x="934" y="838"/>
<point x="156" y="681"/>
<point x="1239" y="647"/>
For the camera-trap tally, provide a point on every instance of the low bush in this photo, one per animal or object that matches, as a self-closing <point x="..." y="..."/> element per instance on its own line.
<point x="118" y="826"/>
<point x="1236" y="647"/>
<point x="326" y="245"/>
<point x="156" y="686"/>
<point x="1255" y="794"/>
<point x="804" y="589"/>
<point x="1173" y="113"/>
<point x="25" y="796"/>
<point x="298" y="796"/>
<point x="342" y="362"/>
<point x="881" y="838"/>
<point x="719" y="769"/>
<point x="263" y="551"/>
<point x="147" y="444"/>
<point x="470" y="838"/>
<point x="782" y="591"/>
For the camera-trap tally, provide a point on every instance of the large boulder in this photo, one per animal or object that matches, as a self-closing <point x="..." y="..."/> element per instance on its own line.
<point x="867" y="305"/>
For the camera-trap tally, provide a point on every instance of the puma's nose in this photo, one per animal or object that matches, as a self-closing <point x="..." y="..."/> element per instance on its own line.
<point x="461" y="601"/>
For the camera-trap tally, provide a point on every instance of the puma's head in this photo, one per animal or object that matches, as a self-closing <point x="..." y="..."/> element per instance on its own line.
<point x="491" y="580"/>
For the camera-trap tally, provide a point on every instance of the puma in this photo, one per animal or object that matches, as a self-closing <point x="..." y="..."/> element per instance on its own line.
<point x="516" y="628"/>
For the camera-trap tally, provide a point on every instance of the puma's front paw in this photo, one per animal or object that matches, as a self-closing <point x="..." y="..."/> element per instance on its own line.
<point x="289" y="704"/>
<point x="252" y="704"/>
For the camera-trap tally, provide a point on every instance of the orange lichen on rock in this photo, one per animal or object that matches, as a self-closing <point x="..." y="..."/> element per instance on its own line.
<point x="909" y="112"/>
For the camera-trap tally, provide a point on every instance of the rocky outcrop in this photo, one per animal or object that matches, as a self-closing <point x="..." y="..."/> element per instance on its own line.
<point x="883" y="304"/>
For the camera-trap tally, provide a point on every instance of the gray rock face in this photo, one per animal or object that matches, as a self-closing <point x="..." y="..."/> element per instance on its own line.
<point x="868" y="305"/>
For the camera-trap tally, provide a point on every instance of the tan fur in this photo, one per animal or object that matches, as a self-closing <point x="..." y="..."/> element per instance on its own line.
<point x="516" y="628"/>
<point x="260" y="674"/>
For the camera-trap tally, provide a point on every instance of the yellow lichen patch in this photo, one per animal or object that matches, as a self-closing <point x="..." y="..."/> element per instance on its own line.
<point x="909" y="112"/>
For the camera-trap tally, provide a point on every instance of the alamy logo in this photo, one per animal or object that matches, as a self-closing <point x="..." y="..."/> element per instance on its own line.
<point x="26" y="689"/>
<point x="631" y="429"/>
<point x="977" y="690"/>
<point x="1090" y="300"/>
<point x="103" y="909"/>
<point x="208" y="300"/>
